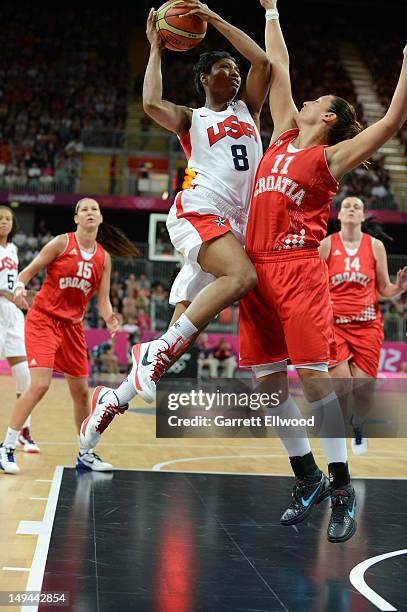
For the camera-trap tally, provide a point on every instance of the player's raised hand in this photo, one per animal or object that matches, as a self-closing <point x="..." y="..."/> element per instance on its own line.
<point x="151" y="31"/>
<point x="199" y="9"/>
<point x="268" y="4"/>
<point x="401" y="281"/>
<point x="113" y="324"/>
<point x="20" y="298"/>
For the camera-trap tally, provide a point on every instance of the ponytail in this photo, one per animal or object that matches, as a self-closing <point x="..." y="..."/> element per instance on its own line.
<point x="115" y="242"/>
<point x="110" y="237"/>
<point x="346" y="125"/>
<point x="372" y="226"/>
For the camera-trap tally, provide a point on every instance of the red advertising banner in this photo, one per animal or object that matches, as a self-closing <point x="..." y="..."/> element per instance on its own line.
<point x="70" y="199"/>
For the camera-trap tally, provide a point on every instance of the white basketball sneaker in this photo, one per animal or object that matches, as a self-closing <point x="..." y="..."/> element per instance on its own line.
<point x="7" y="461"/>
<point x="150" y="362"/>
<point x="92" y="461"/>
<point x="105" y="406"/>
<point x="25" y="440"/>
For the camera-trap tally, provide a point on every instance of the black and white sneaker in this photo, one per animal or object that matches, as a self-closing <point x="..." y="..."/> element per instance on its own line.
<point x="342" y="524"/>
<point x="306" y="494"/>
<point x="7" y="461"/>
<point x="91" y="461"/>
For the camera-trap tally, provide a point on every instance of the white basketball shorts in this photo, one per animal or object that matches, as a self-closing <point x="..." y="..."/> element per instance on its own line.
<point x="11" y="330"/>
<point x="198" y="215"/>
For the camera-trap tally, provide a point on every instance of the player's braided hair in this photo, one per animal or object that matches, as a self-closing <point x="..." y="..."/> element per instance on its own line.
<point x="14" y="226"/>
<point x="113" y="239"/>
<point x="204" y="66"/>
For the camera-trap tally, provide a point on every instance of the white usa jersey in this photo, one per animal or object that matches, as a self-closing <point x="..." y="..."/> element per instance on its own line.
<point x="224" y="149"/>
<point x="8" y="266"/>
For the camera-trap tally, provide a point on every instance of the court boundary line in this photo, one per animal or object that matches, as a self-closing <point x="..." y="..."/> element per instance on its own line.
<point x="36" y="575"/>
<point x="157" y="467"/>
<point x="357" y="579"/>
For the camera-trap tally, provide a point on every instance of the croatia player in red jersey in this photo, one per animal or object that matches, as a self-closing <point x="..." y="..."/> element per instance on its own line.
<point x="77" y="265"/>
<point x="207" y="222"/>
<point x="358" y="272"/>
<point x="288" y="316"/>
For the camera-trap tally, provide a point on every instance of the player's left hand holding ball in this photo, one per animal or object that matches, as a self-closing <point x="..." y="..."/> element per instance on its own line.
<point x="151" y="31"/>
<point x="113" y="324"/>
<point x="199" y="9"/>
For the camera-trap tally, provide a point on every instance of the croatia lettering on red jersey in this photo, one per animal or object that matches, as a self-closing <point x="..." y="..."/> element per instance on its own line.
<point x="291" y="199"/>
<point x="70" y="282"/>
<point x="352" y="281"/>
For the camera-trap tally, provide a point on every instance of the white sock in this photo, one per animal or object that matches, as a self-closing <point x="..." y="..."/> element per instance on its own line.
<point x="330" y="422"/>
<point x="183" y="328"/>
<point x="11" y="438"/>
<point x="295" y="439"/>
<point x="27" y="422"/>
<point x="125" y="392"/>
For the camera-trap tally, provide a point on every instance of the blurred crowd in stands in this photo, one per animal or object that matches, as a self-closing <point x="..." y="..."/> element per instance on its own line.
<point x="60" y="76"/>
<point x="383" y="56"/>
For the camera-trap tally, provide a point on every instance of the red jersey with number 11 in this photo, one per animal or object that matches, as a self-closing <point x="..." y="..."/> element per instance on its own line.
<point x="352" y="281"/>
<point x="70" y="282"/>
<point x="291" y="199"/>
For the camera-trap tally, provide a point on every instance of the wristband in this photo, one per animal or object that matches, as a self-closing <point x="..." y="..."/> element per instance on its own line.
<point x="271" y="14"/>
<point x="18" y="285"/>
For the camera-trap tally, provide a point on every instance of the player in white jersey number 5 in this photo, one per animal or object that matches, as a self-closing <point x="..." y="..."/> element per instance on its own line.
<point x="206" y="222"/>
<point x="12" y="345"/>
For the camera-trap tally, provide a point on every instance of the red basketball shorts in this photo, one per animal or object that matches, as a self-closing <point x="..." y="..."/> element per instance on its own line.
<point x="55" y="344"/>
<point x="359" y="343"/>
<point x="289" y="314"/>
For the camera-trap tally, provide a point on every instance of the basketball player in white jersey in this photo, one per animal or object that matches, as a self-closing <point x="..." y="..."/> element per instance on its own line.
<point x="12" y="345"/>
<point x="206" y="222"/>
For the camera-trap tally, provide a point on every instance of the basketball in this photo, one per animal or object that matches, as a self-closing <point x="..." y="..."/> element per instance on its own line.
<point x="179" y="34"/>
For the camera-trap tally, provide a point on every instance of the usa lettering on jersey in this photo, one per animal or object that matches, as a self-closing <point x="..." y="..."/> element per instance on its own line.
<point x="7" y="264"/>
<point x="279" y="181"/>
<point x="232" y="127"/>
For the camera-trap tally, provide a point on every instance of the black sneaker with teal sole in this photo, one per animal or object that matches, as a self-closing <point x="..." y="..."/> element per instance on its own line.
<point x="342" y="524"/>
<point x="306" y="494"/>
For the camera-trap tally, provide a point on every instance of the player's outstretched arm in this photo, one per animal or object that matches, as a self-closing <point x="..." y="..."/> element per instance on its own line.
<point x="104" y="304"/>
<point x="172" y="117"/>
<point x="385" y="287"/>
<point x="47" y="254"/>
<point x="282" y="107"/>
<point x="348" y="154"/>
<point x="258" y="78"/>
